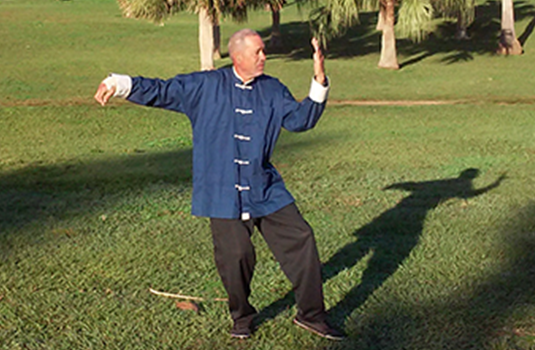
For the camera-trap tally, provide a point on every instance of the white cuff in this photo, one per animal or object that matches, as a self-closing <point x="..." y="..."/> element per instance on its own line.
<point x="318" y="93"/>
<point x="122" y="84"/>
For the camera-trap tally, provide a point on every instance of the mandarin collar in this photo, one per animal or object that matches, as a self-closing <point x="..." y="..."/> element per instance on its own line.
<point x="248" y="82"/>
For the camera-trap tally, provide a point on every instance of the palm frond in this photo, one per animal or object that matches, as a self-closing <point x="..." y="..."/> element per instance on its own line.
<point x="460" y="10"/>
<point x="153" y="10"/>
<point x="333" y="19"/>
<point x="414" y="19"/>
<point x="368" y="5"/>
<point x="236" y="9"/>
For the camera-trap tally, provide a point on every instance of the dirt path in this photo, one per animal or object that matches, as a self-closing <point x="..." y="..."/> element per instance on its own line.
<point x="394" y="102"/>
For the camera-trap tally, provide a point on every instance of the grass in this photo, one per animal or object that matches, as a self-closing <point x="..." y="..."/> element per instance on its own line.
<point x="94" y="202"/>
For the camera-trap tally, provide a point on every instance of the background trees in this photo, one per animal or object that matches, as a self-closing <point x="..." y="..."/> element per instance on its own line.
<point x="209" y="12"/>
<point x="413" y="19"/>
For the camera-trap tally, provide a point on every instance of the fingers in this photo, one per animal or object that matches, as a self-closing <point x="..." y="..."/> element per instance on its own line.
<point x="315" y="44"/>
<point x="318" y="55"/>
<point x="317" y="48"/>
<point x="99" y="95"/>
<point x="109" y="94"/>
<point x="319" y="70"/>
<point x="104" y="94"/>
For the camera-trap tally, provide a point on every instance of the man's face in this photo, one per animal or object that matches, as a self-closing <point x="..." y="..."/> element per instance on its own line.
<point x="250" y="61"/>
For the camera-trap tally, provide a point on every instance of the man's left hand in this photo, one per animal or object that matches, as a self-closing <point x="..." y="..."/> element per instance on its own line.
<point x="319" y="69"/>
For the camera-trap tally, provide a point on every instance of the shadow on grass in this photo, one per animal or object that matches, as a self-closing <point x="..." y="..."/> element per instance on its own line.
<point x="363" y="39"/>
<point x="41" y="194"/>
<point x="497" y="313"/>
<point x="391" y="237"/>
<point x="37" y="194"/>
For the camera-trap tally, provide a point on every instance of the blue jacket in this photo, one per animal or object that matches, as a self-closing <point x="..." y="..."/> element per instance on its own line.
<point x="235" y="127"/>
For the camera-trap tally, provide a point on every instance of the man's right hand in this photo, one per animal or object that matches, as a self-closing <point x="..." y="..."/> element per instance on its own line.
<point x="104" y="94"/>
<point x="319" y="69"/>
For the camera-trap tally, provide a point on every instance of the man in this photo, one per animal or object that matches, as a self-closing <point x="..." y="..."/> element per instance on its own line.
<point x="236" y="116"/>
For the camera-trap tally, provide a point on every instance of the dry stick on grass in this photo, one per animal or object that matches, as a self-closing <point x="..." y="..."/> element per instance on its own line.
<point x="186" y="297"/>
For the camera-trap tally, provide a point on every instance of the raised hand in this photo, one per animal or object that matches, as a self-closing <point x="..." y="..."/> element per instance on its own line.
<point x="319" y="69"/>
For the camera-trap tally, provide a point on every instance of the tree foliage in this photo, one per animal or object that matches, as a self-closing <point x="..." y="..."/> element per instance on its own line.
<point x="414" y="18"/>
<point x="159" y="10"/>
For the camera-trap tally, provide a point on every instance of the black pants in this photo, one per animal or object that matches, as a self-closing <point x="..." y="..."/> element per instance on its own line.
<point x="292" y="242"/>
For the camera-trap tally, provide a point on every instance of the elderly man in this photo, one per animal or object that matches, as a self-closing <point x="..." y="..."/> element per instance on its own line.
<point x="236" y="116"/>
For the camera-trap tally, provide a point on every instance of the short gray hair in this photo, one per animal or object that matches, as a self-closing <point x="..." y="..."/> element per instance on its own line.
<point x="237" y="40"/>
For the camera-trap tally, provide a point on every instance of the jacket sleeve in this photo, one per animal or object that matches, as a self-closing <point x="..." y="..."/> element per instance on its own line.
<point x="301" y="116"/>
<point x="176" y="94"/>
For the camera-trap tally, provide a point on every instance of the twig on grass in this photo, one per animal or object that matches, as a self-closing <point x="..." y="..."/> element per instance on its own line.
<point x="186" y="297"/>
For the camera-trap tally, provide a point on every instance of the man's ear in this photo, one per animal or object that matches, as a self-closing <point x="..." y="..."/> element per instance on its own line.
<point x="237" y="57"/>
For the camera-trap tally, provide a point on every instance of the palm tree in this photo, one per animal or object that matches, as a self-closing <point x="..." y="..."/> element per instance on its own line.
<point x="414" y="17"/>
<point x="209" y="12"/>
<point x="209" y="37"/>
<point x="275" y="7"/>
<point x="385" y="24"/>
<point x="509" y="44"/>
<point x="463" y="11"/>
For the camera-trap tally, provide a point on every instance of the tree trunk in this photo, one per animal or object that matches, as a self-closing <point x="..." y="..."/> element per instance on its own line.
<point x="461" y="30"/>
<point x="275" y="40"/>
<point x="206" y="40"/>
<point x="509" y="44"/>
<point x="389" y="58"/>
<point x="381" y="18"/>
<point x="217" y="39"/>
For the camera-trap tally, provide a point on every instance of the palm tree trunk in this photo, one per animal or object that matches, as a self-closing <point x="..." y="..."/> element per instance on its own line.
<point x="509" y="44"/>
<point x="461" y="30"/>
<point x="381" y="18"/>
<point x="206" y="40"/>
<point x="388" y="58"/>
<point x="275" y="40"/>
<point x="217" y="39"/>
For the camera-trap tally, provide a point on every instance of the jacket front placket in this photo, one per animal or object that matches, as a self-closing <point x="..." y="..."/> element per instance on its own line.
<point x="243" y="139"/>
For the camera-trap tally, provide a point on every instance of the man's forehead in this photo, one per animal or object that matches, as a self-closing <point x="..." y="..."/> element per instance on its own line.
<point x="254" y="41"/>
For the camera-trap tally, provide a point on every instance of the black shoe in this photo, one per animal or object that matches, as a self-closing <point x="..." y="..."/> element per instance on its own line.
<point x="242" y="329"/>
<point x="238" y="332"/>
<point x="244" y="334"/>
<point x="320" y="328"/>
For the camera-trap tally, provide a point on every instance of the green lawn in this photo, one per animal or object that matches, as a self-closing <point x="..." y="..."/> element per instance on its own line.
<point x="424" y="215"/>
